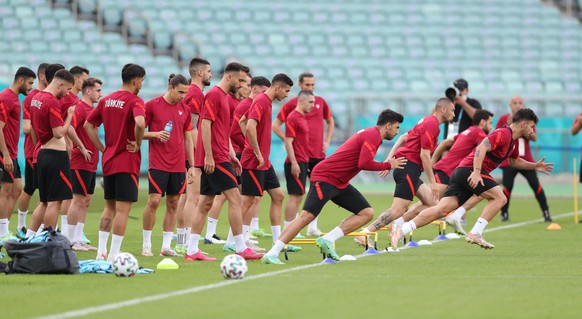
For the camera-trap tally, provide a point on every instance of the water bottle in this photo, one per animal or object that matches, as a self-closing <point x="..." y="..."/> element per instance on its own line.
<point x="168" y="127"/>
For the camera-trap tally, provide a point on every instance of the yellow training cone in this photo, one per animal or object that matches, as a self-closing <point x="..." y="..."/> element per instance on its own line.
<point x="554" y="226"/>
<point x="167" y="263"/>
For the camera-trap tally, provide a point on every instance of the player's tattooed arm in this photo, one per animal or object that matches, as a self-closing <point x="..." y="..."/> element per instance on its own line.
<point x="487" y="144"/>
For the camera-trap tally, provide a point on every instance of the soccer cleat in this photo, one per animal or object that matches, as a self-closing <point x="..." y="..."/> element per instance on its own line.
<point x="89" y="247"/>
<point x="478" y="240"/>
<point x="456" y="225"/>
<point x="181" y="249"/>
<point x="228" y="248"/>
<point x="260" y="233"/>
<point x="78" y="247"/>
<point x="547" y="217"/>
<point x="21" y="233"/>
<point x="361" y="240"/>
<point x="327" y="247"/>
<point x="85" y="239"/>
<point x="147" y="252"/>
<point x="198" y="256"/>
<point x="271" y="260"/>
<point x="396" y="237"/>
<point x="293" y="248"/>
<point x="504" y="216"/>
<point x="254" y="247"/>
<point x="214" y="240"/>
<point x="299" y="236"/>
<point x="314" y="232"/>
<point x="464" y="220"/>
<point x="249" y="254"/>
<point x="101" y="255"/>
<point x="169" y="252"/>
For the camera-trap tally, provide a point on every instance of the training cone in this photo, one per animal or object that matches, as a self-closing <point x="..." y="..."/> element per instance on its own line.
<point x="412" y="244"/>
<point x="371" y="251"/>
<point x="329" y="260"/>
<point x="167" y="263"/>
<point x="554" y="226"/>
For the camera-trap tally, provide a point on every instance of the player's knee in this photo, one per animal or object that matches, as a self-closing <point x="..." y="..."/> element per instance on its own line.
<point x="278" y="196"/>
<point x="367" y="213"/>
<point x="153" y="202"/>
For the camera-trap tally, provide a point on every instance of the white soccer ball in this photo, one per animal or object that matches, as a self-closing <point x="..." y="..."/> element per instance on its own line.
<point x="233" y="267"/>
<point x="125" y="265"/>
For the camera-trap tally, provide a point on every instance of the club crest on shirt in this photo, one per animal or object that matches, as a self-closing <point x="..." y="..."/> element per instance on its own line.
<point x="180" y="112"/>
<point x="317" y="105"/>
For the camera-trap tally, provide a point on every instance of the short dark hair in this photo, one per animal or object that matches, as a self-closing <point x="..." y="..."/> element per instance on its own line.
<point x="78" y="70"/>
<point x="236" y="67"/>
<point x="91" y="82"/>
<point x="461" y="84"/>
<point x="305" y="93"/>
<point x="481" y="115"/>
<point x="24" y="72"/>
<point x="177" y="79"/>
<point x="389" y="116"/>
<point x="442" y="102"/>
<point x="131" y="71"/>
<point x="525" y="114"/>
<point x="50" y="71"/>
<point x="65" y="76"/>
<point x="282" y="78"/>
<point x="41" y="68"/>
<point x="196" y="63"/>
<point x="305" y="75"/>
<point x="260" y="81"/>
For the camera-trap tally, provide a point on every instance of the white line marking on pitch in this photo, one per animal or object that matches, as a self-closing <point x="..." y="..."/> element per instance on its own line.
<point x="137" y="301"/>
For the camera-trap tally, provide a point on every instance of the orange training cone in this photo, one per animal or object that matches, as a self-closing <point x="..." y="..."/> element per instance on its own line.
<point x="554" y="226"/>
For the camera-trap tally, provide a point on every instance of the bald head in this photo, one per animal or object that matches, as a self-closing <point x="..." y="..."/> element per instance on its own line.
<point x="516" y="103"/>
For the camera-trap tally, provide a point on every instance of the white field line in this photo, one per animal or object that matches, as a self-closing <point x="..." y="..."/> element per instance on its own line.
<point x="137" y="301"/>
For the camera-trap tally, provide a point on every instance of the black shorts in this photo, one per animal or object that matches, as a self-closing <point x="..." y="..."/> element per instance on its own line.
<point x="296" y="185"/>
<point x="162" y="182"/>
<point x="29" y="179"/>
<point x="9" y="177"/>
<point x="348" y="198"/>
<point x="53" y="176"/>
<point x="121" y="187"/>
<point x="441" y="177"/>
<point x="187" y="164"/>
<point x="459" y="186"/>
<point x="222" y="179"/>
<point x="255" y="182"/>
<point x="83" y="182"/>
<point x="407" y="181"/>
<point x="312" y="163"/>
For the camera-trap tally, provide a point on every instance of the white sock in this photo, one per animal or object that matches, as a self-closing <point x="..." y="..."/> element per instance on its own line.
<point x="239" y="243"/>
<point x="479" y="226"/>
<point x="188" y="230"/>
<point x="365" y="230"/>
<point x="79" y="232"/>
<point x="211" y="227"/>
<point x="64" y="228"/>
<point x="313" y="224"/>
<point x="193" y="244"/>
<point x="399" y="221"/>
<point x="3" y="227"/>
<point x="115" y="245"/>
<point x="230" y="237"/>
<point x="276" y="249"/>
<point x="167" y="239"/>
<point x="103" y="237"/>
<point x="30" y="233"/>
<point x="147" y="238"/>
<point x="255" y="223"/>
<point x="71" y="232"/>
<point x="458" y="214"/>
<point x="334" y="235"/>
<point x="408" y="227"/>
<point x="21" y="219"/>
<point x="276" y="231"/>
<point x="246" y="230"/>
<point x="181" y="237"/>
<point x="40" y="228"/>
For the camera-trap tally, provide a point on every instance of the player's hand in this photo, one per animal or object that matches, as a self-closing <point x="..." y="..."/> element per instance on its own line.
<point x="190" y="175"/>
<point x="8" y="164"/>
<point x="86" y="153"/>
<point x="132" y="146"/>
<point x="398" y="163"/>
<point x="475" y="179"/>
<point x="71" y="110"/>
<point x="163" y="136"/>
<point x="209" y="164"/>
<point x="236" y="166"/>
<point x="543" y="167"/>
<point x="295" y="169"/>
<point x="384" y="173"/>
<point x="434" y="190"/>
<point x="261" y="160"/>
<point x="325" y="146"/>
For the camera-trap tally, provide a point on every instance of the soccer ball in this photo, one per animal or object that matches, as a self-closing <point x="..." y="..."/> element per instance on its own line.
<point x="125" y="265"/>
<point x="233" y="267"/>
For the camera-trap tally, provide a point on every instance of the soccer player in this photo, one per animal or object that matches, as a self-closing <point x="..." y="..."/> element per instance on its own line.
<point x="297" y="147"/>
<point x="29" y="144"/>
<point x="472" y="177"/>
<point x="331" y="181"/>
<point x="53" y="166"/>
<point x="420" y="143"/>
<point x="10" y="174"/>
<point x="122" y="114"/>
<point x="318" y="142"/>
<point x="83" y="172"/>
<point x="258" y="174"/>
<point x="219" y="163"/>
<point x="170" y="135"/>
<point x="200" y="74"/>
<point x="516" y="103"/>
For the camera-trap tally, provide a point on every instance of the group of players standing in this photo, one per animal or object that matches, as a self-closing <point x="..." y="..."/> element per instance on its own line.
<point x="225" y="143"/>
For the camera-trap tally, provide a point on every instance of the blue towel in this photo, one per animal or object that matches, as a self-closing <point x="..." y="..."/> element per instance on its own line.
<point x="103" y="267"/>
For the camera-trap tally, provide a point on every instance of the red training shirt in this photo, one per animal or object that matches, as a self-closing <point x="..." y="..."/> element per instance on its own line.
<point x="217" y="110"/>
<point x="261" y="111"/>
<point x="10" y="115"/>
<point x="236" y="135"/>
<point x="77" y="159"/>
<point x="28" y="146"/>
<point x="425" y="135"/>
<point x="297" y="128"/>
<point x="463" y="145"/>
<point x="500" y="140"/>
<point x="45" y="113"/>
<point x="522" y="142"/>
